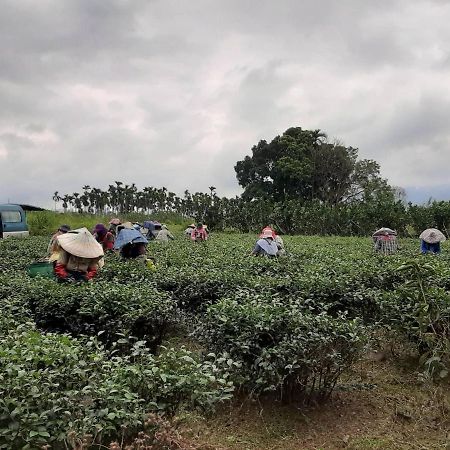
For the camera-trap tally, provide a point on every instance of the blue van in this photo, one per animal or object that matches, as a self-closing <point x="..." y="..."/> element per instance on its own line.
<point x="13" y="221"/>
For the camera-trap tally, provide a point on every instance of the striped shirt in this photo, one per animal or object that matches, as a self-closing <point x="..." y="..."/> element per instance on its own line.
<point x="386" y="245"/>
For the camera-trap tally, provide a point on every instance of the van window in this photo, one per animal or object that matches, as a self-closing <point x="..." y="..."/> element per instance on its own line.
<point x="11" y="216"/>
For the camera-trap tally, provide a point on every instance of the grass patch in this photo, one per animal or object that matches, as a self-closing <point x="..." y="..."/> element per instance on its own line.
<point x="42" y="223"/>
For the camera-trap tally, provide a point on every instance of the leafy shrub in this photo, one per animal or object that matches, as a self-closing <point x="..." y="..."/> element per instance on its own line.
<point x="120" y="271"/>
<point x="43" y="222"/>
<point x="289" y="326"/>
<point x="58" y="390"/>
<point x="175" y="376"/>
<point x="421" y="311"/>
<point x="282" y="348"/>
<point x="15" y="311"/>
<point x="50" y="385"/>
<point x="87" y="308"/>
<point x="16" y="254"/>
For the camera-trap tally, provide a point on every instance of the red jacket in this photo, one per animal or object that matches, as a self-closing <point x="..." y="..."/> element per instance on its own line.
<point x="61" y="272"/>
<point x="107" y="241"/>
<point x="199" y="234"/>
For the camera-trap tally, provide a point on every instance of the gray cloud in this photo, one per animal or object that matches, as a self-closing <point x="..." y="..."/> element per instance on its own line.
<point x="174" y="93"/>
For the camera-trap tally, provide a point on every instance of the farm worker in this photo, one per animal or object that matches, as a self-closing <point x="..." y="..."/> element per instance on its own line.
<point x="113" y="224"/>
<point x="80" y="256"/>
<point x="53" y="247"/>
<point x="278" y="240"/>
<point x="127" y="225"/>
<point x="188" y="230"/>
<point x="103" y="237"/>
<point x="266" y="245"/>
<point x="430" y="241"/>
<point x="133" y="250"/>
<point x="132" y="244"/>
<point x="157" y="227"/>
<point x="280" y="244"/>
<point x="199" y="233"/>
<point x="164" y="234"/>
<point x="385" y="241"/>
<point x="148" y="229"/>
<point x="386" y="244"/>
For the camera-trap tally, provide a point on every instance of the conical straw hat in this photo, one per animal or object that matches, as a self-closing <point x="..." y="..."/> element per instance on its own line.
<point x="127" y="225"/>
<point x="384" y="230"/>
<point x="432" y="235"/>
<point x="80" y="243"/>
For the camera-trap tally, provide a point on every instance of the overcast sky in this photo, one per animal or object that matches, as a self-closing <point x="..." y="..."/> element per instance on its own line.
<point x="173" y="93"/>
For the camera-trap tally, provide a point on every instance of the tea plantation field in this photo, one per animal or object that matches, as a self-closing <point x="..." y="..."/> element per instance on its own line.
<point x="113" y="363"/>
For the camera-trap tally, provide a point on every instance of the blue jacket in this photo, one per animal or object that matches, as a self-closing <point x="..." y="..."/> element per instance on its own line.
<point x="425" y="247"/>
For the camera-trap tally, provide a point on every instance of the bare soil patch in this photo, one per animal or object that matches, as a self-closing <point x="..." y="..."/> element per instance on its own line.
<point x="380" y="405"/>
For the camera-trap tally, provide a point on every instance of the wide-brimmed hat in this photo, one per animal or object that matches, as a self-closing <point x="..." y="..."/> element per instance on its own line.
<point x="127" y="225"/>
<point x="432" y="236"/>
<point x="384" y="230"/>
<point x="115" y="221"/>
<point x="80" y="243"/>
<point x="129" y="236"/>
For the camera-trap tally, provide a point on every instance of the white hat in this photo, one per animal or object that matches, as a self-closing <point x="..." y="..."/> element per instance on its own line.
<point x="128" y="225"/>
<point x="384" y="230"/>
<point x="80" y="243"/>
<point x="432" y="235"/>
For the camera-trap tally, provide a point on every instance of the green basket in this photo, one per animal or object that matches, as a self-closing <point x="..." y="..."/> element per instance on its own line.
<point x="41" y="269"/>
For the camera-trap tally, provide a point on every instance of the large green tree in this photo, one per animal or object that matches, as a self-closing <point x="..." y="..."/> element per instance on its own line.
<point x="304" y="165"/>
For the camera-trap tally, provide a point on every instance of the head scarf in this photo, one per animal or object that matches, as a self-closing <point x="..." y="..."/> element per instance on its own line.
<point x="100" y="229"/>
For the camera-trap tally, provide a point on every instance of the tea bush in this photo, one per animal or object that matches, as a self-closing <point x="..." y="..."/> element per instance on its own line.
<point x="420" y="310"/>
<point x="86" y="308"/>
<point x="176" y="375"/>
<point x="282" y="348"/>
<point x="17" y="254"/>
<point x="51" y="385"/>
<point x="54" y="388"/>
<point x="288" y="326"/>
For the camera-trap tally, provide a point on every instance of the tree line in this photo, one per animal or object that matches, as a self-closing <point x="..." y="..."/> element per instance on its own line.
<point x="300" y="182"/>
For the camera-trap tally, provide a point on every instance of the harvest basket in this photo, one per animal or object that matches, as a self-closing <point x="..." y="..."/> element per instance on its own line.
<point x="41" y="268"/>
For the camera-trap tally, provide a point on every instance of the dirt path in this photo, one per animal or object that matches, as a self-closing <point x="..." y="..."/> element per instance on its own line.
<point x="380" y="406"/>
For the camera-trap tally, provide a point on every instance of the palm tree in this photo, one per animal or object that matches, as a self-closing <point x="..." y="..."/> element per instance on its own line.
<point x="65" y="201"/>
<point x="112" y="197"/>
<point x="56" y="198"/>
<point x="77" y="202"/>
